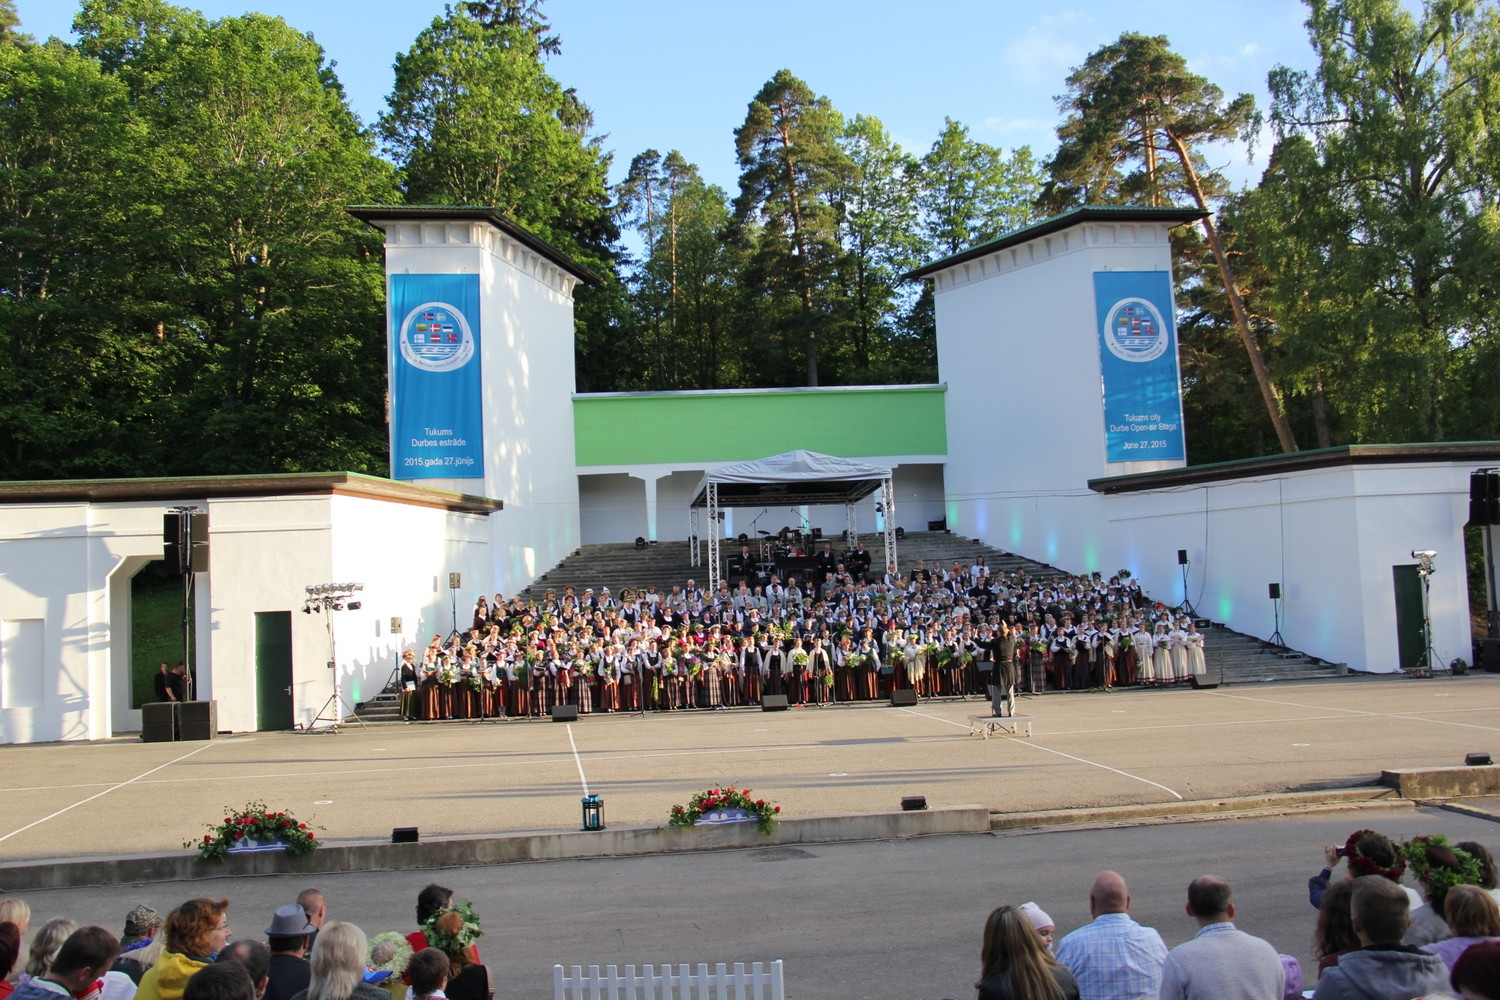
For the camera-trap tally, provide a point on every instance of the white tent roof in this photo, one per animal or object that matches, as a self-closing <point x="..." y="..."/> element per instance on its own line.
<point x="795" y="477"/>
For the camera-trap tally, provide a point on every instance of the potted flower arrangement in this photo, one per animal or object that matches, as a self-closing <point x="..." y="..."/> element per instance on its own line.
<point x="255" y="828"/>
<point x="726" y="805"/>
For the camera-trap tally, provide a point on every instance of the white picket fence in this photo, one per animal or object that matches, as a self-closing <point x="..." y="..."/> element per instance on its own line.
<point x="758" y="983"/>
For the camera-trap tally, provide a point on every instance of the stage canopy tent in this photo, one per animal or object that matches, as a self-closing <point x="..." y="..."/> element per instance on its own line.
<point x="793" y="478"/>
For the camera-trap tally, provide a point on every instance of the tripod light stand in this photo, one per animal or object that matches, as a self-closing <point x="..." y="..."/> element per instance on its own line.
<point x="325" y="599"/>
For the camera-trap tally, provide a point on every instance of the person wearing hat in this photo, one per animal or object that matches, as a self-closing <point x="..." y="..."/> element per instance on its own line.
<point x="289" y="972"/>
<point x="141" y="925"/>
<point x="1040" y="922"/>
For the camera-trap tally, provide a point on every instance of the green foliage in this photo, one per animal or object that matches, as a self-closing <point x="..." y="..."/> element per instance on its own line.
<point x="972" y="192"/>
<point x="1377" y="217"/>
<point x="475" y="119"/>
<point x="182" y="289"/>
<point x="790" y="160"/>
<point x="877" y="228"/>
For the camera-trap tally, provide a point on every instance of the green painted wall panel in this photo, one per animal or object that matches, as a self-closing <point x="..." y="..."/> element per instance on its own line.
<point x="737" y="426"/>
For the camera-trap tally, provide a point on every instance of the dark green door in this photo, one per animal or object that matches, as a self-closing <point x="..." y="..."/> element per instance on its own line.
<point x="1409" y="642"/>
<point x="273" y="669"/>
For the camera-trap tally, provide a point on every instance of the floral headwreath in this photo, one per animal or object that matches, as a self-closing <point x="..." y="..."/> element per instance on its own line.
<point x="468" y="931"/>
<point x="399" y="948"/>
<point x="1439" y="878"/>
<point x="1361" y="865"/>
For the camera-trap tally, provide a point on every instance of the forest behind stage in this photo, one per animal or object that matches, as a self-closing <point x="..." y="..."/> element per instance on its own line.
<point x="182" y="291"/>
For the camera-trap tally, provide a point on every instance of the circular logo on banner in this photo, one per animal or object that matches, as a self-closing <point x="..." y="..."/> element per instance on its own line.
<point x="435" y="337"/>
<point x="1134" y="331"/>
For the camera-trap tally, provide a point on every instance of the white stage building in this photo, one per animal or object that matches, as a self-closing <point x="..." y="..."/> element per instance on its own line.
<point x="1055" y="432"/>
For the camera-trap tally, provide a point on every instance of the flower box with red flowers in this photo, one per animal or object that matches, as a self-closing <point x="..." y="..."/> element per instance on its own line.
<point x="255" y="829"/>
<point x="724" y="805"/>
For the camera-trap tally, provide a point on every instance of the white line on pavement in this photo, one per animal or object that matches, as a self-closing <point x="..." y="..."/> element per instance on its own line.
<point x="1038" y="746"/>
<point x="111" y="788"/>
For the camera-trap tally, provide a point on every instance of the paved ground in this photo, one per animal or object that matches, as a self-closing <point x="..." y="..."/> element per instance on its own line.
<point x="125" y="797"/>
<point x="890" y="920"/>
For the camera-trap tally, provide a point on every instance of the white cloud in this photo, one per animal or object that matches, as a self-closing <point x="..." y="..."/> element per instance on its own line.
<point x="1050" y="47"/>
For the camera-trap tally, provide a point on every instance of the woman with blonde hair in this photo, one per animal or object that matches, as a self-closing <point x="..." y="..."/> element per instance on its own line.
<point x="1473" y="916"/>
<point x="44" y="944"/>
<point x="16" y="911"/>
<point x="338" y="966"/>
<point x="192" y="937"/>
<point x="1016" y="966"/>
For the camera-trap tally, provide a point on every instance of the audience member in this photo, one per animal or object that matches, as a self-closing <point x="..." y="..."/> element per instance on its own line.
<point x="1015" y="966"/>
<point x="1113" y="956"/>
<point x="76" y="969"/>
<point x="1221" y="962"/>
<point x="1041" y="923"/>
<point x="194" y="934"/>
<point x="288" y="938"/>
<point x="1437" y="868"/>
<point x="17" y="912"/>
<point x="1476" y="975"/>
<point x="429" y="974"/>
<point x="1384" y="968"/>
<point x="1472" y="916"/>
<point x="338" y="966"/>
<point x="1369" y="853"/>
<point x="1334" y="935"/>
<point x="315" y="905"/>
<point x="45" y="944"/>
<point x="1482" y="857"/>
<point x="255" y="957"/>
<point x="10" y="953"/>
<point x="453" y="932"/>
<point x="220" y="981"/>
<point x="141" y="925"/>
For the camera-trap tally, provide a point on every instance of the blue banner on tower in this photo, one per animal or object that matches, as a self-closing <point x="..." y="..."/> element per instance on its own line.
<point x="1138" y="360"/>
<point x="437" y="410"/>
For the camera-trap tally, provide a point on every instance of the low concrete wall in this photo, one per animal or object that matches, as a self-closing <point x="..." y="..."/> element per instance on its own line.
<point x="1443" y="782"/>
<point x="501" y="849"/>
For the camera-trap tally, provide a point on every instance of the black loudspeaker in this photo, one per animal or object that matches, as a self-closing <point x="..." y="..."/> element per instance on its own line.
<point x="190" y="529"/>
<point x="1203" y="683"/>
<point x="200" y="719"/>
<point x="773" y="703"/>
<point x="903" y="696"/>
<point x="1484" y="498"/>
<point x="159" y="722"/>
<point x="564" y="713"/>
<point x="1182" y="557"/>
<point x="1274" y="589"/>
<point x="1487" y="655"/>
<point x="455" y="581"/>
<point x="404" y="835"/>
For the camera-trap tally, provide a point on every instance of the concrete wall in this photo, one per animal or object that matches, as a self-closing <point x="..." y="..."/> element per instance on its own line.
<point x="65" y="606"/>
<point x="65" y="572"/>
<point x="526" y="323"/>
<point x="1018" y="349"/>
<point x="1328" y="536"/>
<point x="266" y="551"/>
<point x="614" y="504"/>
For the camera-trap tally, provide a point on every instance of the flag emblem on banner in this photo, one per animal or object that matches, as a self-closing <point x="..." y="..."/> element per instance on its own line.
<point x="1134" y="331"/>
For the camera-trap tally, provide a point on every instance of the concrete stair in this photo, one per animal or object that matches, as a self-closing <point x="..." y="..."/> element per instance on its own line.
<point x="1234" y="656"/>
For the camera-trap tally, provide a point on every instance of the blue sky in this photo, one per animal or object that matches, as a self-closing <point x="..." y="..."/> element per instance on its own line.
<point x="677" y="74"/>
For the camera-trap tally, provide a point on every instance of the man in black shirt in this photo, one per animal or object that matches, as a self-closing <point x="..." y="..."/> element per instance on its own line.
<point x="287" y="936"/>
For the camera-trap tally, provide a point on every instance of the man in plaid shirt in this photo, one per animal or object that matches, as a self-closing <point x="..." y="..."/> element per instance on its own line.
<point x="1113" y="958"/>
